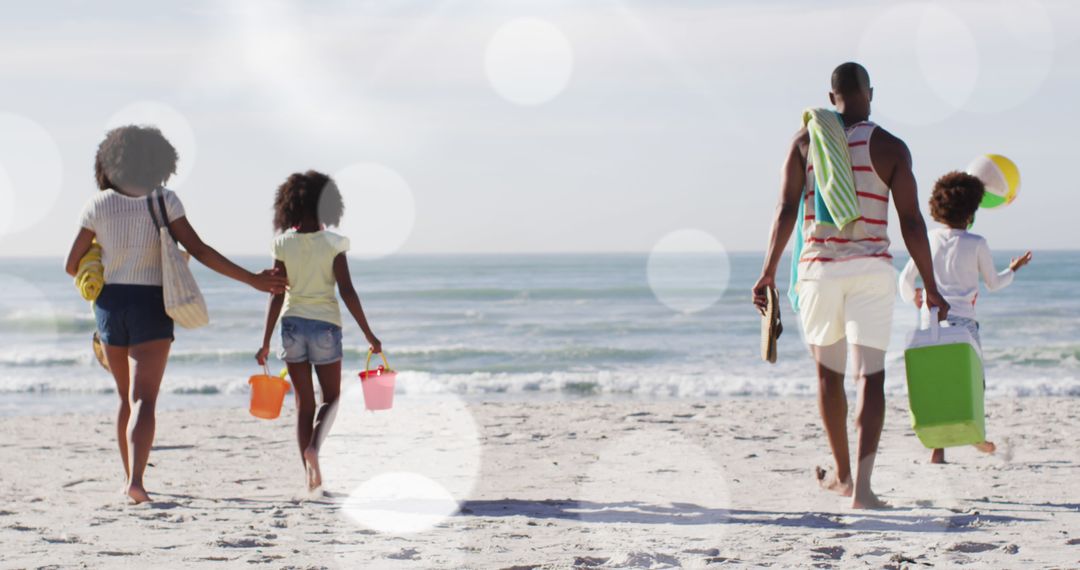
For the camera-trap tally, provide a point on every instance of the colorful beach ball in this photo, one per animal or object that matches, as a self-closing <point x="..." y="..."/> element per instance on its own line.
<point x="999" y="175"/>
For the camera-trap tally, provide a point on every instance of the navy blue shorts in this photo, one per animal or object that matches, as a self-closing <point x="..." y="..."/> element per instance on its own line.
<point x="132" y="314"/>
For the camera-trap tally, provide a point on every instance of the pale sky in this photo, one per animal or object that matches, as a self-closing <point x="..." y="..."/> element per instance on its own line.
<point x="524" y="126"/>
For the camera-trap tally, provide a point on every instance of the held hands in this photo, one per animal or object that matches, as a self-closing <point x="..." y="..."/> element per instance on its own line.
<point x="262" y="355"/>
<point x="269" y="281"/>
<point x="1018" y="262"/>
<point x="761" y="292"/>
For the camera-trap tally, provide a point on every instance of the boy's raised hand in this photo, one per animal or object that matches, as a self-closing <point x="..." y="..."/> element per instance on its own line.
<point x="1021" y="261"/>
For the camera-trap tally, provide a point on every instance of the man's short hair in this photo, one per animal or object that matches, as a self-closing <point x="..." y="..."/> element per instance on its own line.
<point x="850" y="78"/>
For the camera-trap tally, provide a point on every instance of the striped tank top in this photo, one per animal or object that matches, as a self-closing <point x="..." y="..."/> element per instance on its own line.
<point x="862" y="247"/>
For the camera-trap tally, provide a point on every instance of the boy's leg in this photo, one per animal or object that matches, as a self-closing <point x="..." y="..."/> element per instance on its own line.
<point x="150" y="359"/>
<point x="869" y="419"/>
<point x="937" y="456"/>
<point x="832" y="404"/>
<point x="117" y="357"/>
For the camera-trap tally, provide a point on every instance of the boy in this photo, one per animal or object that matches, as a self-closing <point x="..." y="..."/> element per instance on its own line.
<point x="959" y="258"/>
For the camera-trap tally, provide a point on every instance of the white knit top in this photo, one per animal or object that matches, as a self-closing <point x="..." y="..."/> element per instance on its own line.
<point x="130" y="244"/>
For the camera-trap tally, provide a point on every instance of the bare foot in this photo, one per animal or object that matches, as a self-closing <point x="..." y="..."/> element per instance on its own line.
<point x="986" y="447"/>
<point x="138" y="494"/>
<point x="829" y="482"/>
<point x="314" y="474"/>
<point x="937" y="457"/>
<point x="869" y="501"/>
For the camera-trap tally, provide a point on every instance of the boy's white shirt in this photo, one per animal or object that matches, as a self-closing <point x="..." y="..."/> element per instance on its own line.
<point x="960" y="258"/>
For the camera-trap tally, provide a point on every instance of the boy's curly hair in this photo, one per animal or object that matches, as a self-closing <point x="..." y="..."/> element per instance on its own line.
<point x="311" y="194"/>
<point x="134" y="156"/>
<point x="955" y="198"/>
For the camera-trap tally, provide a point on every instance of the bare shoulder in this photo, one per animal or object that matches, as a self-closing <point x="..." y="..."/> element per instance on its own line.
<point x="886" y="143"/>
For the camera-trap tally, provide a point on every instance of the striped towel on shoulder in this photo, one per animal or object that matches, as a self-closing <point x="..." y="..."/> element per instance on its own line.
<point x="832" y="168"/>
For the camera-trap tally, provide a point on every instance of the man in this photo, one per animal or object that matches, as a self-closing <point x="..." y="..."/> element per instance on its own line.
<point x="846" y="281"/>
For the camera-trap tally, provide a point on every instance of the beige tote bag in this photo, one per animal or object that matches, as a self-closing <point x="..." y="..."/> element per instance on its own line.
<point x="183" y="300"/>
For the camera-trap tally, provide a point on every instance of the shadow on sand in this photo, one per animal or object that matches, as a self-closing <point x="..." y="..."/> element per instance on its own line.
<point x="689" y="514"/>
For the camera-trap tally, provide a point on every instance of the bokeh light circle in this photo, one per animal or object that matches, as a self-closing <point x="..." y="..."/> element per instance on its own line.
<point x="379" y="209"/>
<point x="529" y="61"/>
<point x="172" y="123"/>
<point x="403" y="470"/>
<point x="31" y="173"/>
<point x="688" y="270"/>
<point x="923" y="62"/>
<point x="1016" y="44"/>
<point x="399" y="503"/>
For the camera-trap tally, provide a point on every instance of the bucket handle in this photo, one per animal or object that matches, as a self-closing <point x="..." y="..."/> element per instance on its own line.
<point x="367" y="365"/>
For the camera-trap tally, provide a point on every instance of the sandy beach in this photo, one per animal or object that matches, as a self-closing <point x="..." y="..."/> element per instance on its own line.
<point x="570" y="484"/>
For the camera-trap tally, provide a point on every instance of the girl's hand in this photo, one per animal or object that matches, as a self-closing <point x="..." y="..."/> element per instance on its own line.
<point x="918" y="298"/>
<point x="262" y="355"/>
<point x="1019" y="262"/>
<point x="376" y="346"/>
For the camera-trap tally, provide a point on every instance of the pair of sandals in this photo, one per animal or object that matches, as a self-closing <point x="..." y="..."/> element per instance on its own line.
<point x="771" y="327"/>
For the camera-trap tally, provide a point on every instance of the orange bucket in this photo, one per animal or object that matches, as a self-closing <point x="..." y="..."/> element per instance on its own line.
<point x="378" y="384"/>
<point x="267" y="394"/>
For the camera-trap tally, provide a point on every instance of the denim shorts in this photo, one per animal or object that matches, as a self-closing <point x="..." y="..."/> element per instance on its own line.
<point x="309" y="340"/>
<point x="132" y="314"/>
<point x="970" y="324"/>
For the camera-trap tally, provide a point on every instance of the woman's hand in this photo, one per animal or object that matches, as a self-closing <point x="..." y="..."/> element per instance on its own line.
<point x="376" y="346"/>
<point x="269" y="281"/>
<point x="1019" y="262"/>
<point x="918" y="298"/>
<point x="262" y="355"/>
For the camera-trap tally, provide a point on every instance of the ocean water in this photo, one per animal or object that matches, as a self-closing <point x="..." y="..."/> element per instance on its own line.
<point x="521" y="326"/>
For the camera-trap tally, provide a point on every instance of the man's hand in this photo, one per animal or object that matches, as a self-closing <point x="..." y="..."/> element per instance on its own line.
<point x="761" y="292"/>
<point x="1019" y="262"/>
<point x="935" y="300"/>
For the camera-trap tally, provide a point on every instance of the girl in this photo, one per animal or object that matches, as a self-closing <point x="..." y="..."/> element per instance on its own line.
<point x="313" y="260"/>
<point x="131" y="163"/>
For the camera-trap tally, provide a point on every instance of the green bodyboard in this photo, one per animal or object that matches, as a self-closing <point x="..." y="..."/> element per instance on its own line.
<point x="945" y="392"/>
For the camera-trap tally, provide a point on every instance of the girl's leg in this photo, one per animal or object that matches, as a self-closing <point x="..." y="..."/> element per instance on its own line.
<point x="150" y="359"/>
<point x="117" y="357"/>
<point x="330" y="383"/>
<point x="300" y="373"/>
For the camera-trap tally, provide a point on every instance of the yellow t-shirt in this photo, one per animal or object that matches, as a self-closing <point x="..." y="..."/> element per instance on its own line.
<point x="309" y="262"/>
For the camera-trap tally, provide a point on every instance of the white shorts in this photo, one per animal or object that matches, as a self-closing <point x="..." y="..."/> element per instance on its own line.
<point x="858" y="308"/>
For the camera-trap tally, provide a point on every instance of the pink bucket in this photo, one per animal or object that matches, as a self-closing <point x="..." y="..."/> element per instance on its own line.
<point x="378" y="385"/>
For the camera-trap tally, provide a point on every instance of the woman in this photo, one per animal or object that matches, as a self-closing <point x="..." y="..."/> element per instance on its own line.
<point x="132" y="162"/>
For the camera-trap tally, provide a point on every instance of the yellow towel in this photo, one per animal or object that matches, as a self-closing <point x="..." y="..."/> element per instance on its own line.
<point x="91" y="275"/>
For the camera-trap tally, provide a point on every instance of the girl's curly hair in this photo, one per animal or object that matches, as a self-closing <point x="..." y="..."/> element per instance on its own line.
<point x="134" y="156"/>
<point x="955" y="198"/>
<point x="311" y="194"/>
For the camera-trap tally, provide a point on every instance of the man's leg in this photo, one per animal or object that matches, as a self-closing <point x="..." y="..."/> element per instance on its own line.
<point x="832" y="403"/>
<point x="869" y="417"/>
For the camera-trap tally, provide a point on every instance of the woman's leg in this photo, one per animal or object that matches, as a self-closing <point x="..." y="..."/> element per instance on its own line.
<point x="330" y="383"/>
<point x="149" y="359"/>
<point x="117" y="357"/>
<point x="300" y="373"/>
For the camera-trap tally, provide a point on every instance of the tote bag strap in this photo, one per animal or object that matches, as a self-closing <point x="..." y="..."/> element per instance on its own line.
<point x="164" y="221"/>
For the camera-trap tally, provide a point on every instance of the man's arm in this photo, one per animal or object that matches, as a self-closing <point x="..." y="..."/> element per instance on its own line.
<point x="912" y="226"/>
<point x="792" y="182"/>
